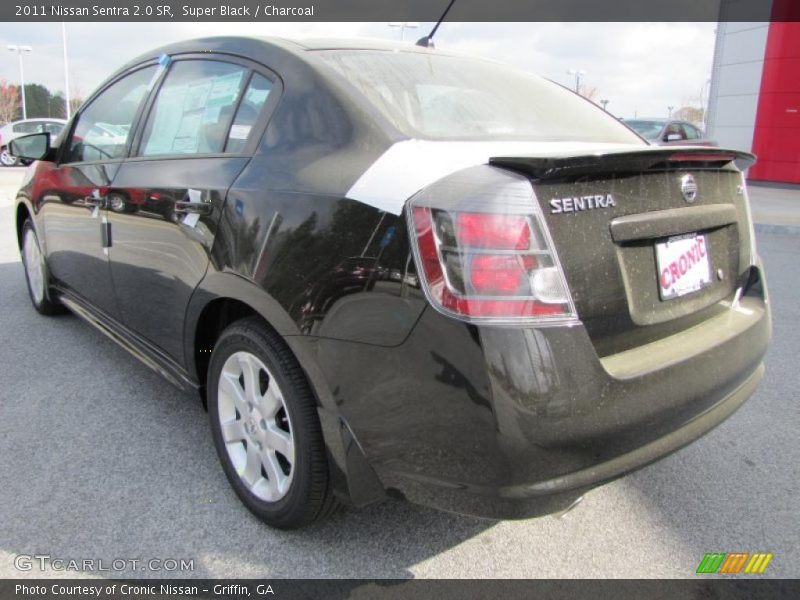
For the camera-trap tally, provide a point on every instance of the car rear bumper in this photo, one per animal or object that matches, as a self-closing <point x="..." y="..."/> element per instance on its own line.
<point x="548" y="496"/>
<point x="514" y="423"/>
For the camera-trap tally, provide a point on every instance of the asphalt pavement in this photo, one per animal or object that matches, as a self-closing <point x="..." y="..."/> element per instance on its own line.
<point x="102" y="459"/>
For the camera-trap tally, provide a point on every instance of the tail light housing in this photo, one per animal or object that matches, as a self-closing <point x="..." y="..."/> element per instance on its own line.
<point x="483" y="250"/>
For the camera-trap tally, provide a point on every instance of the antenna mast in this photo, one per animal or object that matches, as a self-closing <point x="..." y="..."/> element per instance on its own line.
<point x="427" y="41"/>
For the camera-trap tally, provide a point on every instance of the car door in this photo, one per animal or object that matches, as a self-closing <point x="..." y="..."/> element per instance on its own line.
<point x="72" y="191"/>
<point x="167" y="199"/>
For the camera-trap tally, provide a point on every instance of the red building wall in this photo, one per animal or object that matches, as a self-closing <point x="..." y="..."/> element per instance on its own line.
<point x="776" y="140"/>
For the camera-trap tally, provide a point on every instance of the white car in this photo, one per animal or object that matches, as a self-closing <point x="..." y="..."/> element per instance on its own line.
<point x="18" y="128"/>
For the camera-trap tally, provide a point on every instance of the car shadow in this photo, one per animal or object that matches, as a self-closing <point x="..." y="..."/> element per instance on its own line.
<point x="736" y="489"/>
<point x="105" y="460"/>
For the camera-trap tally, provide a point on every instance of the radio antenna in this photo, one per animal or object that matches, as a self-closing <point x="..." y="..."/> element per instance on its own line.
<point x="427" y="41"/>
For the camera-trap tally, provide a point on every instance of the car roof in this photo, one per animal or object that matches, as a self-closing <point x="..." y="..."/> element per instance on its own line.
<point x="263" y="48"/>
<point x="357" y="44"/>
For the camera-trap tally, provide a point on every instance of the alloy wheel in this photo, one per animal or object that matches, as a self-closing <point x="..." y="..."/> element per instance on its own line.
<point x="255" y="426"/>
<point x="34" y="267"/>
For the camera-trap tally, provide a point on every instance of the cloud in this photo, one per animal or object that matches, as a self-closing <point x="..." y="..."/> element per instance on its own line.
<point x="639" y="67"/>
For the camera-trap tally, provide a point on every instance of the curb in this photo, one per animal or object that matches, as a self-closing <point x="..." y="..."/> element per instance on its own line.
<point x="771" y="228"/>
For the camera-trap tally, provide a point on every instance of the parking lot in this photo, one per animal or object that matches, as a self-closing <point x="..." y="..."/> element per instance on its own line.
<point x="102" y="459"/>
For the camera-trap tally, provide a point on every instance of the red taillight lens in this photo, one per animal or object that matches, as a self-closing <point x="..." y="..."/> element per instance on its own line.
<point x="498" y="275"/>
<point x="423" y="224"/>
<point x="496" y="231"/>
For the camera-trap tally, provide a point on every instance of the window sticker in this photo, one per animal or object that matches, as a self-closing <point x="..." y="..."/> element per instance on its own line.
<point x="224" y="89"/>
<point x="240" y="132"/>
<point x="191" y="116"/>
<point x="211" y="114"/>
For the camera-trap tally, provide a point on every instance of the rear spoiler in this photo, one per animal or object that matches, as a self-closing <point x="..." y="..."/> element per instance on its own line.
<point x="572" y="166"/>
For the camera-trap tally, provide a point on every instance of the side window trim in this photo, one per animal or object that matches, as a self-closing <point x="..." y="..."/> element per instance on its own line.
<point x="141" y="123"/>
<point x="251" y="68"/>
<point x="245" y="84"/>
<point x="63" y="150"/>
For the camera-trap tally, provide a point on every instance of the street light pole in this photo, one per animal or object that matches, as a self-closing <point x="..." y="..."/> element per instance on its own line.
<point x="403" y="25"/>
<point x="669" y="108"/>
<point x="66" y="70"/>
<point x="578" y="73"/>
<point x="19" y="50"/>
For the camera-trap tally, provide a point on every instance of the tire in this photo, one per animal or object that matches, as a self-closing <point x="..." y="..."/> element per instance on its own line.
<point x="6" y="159"/>
<point x="36" y="274"/>
<point x="272" y="450"/>
<point x="119" y="203"/>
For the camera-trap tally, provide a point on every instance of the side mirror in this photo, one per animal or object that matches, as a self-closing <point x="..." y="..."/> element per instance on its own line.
<point x="31" y="147"/>
<point x="673" y="137"/>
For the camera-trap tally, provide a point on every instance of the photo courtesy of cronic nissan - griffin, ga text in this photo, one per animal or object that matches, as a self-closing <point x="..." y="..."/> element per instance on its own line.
<point x="393" y="271"/>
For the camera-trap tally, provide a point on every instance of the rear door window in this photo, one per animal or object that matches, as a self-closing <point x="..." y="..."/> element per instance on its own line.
<point x="53" y="128"/>
<point x="692" y="133"/>
<point x="194" y="109"/>
<point x="674" y="129"/>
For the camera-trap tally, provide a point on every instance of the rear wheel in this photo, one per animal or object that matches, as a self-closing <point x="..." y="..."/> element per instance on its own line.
<point x="116" y="202"/>
<point x="36" y="274"/>
<point x="265" y="427"/>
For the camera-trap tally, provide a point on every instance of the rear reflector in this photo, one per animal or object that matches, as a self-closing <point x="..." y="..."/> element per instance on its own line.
<point x="483" y="250"/>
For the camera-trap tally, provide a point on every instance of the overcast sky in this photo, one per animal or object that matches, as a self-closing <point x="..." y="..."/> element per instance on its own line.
<point x="641" y="68"/>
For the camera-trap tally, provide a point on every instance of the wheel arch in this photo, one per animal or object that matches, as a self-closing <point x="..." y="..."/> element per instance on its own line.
<point x="223" y="298"/>
<point x="219" y="300"/>
<point x="23" y="213"/>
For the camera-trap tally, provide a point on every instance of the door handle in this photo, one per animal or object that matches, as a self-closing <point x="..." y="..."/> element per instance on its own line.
<point x="185" y="208"/>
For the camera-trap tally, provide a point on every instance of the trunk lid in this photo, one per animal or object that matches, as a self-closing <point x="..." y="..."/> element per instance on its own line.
<point x="606" y="214"/>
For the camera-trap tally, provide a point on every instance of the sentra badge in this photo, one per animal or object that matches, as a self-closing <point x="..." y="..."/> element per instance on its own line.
<point x="563" y="205"/>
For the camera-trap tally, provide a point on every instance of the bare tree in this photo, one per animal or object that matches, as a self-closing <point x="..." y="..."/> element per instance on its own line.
<point x="76" y="95"/>
<point x="693" y="114"/>
<point x="9" y="102"/>
<point x="74" y="104"/>
<point x="588" y="92"/>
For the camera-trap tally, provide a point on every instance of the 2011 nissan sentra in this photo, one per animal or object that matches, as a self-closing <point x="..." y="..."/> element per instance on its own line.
<point x="393" y="271"/>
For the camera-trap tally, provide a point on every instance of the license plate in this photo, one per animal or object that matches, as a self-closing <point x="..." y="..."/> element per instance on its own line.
<point x="684" y="265"/>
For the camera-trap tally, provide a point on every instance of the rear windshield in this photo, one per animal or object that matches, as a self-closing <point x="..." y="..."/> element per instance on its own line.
<point x="439" y="97"/>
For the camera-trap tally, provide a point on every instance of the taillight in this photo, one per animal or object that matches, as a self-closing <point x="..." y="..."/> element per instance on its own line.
<point x="484" y="252"/>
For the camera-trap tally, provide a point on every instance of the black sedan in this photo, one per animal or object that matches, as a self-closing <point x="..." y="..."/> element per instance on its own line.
<point x="393" y="271"/>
